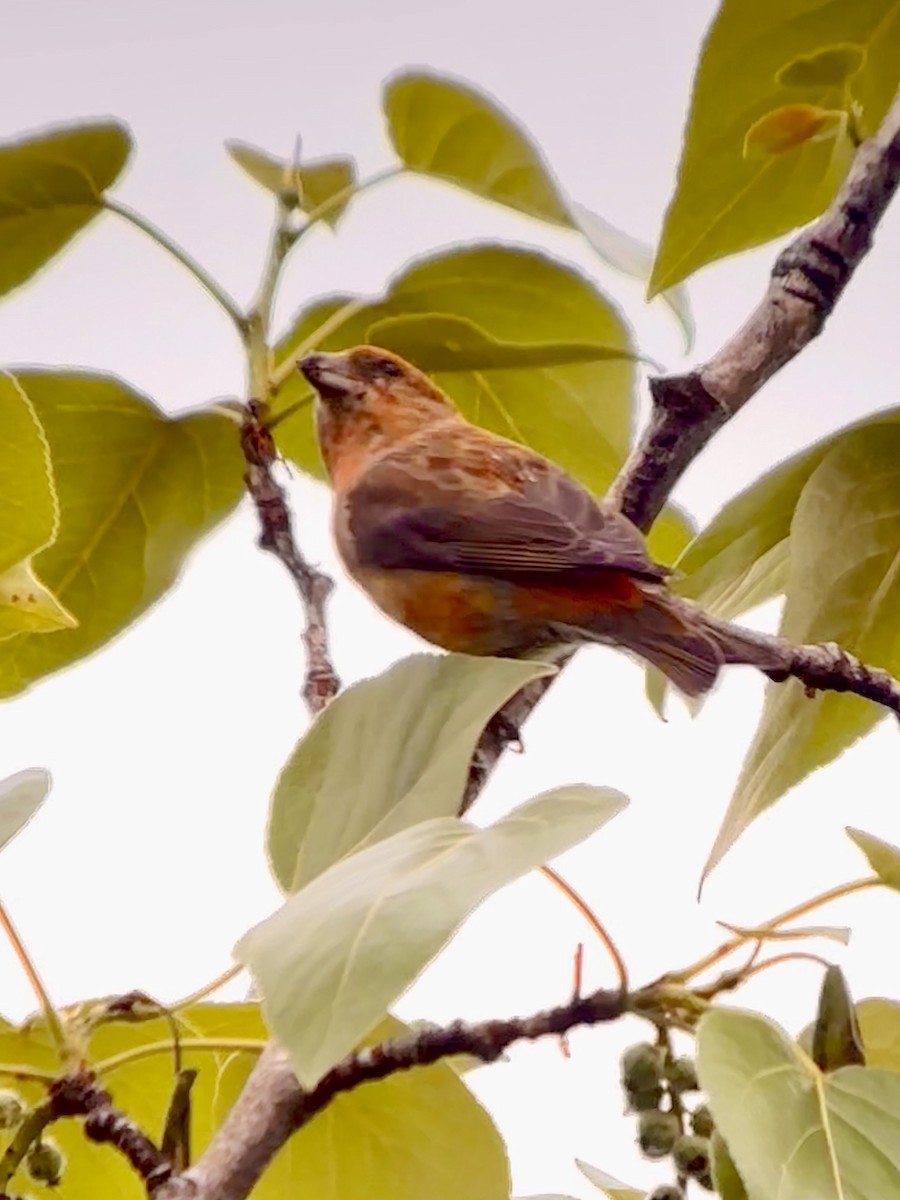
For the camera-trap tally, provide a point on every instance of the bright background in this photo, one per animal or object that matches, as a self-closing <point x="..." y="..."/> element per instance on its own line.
<point x="147" y="862"/>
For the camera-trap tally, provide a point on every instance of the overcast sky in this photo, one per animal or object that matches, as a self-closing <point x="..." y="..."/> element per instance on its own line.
<point x="147" y="863"/>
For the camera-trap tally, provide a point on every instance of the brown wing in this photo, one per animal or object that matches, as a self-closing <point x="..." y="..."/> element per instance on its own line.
<point x="430" y="511"/>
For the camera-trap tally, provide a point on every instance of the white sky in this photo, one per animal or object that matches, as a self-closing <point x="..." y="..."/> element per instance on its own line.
<point x="147" y="864"/>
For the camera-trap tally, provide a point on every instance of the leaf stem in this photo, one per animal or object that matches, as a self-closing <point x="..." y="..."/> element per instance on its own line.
<point x="208" y="988"/>
<point x="206" y="281"/>
<point x="594" y="921"/>
<point x="54" y="1025"/>
<point x="26" y="1074"/>
<point x="207" y="1045"/>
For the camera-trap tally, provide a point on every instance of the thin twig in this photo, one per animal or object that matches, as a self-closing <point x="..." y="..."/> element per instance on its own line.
<point x="807" y="281"/>
<point x="277" y="536"/>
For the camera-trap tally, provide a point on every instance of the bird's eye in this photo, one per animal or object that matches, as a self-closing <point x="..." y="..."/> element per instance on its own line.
<point x="391" y="369"/>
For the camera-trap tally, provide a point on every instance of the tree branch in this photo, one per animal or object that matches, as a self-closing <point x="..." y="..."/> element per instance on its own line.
<point x="807" y="281"/>
<point x="277" y="536"/>
<point x="273" y="1106"/>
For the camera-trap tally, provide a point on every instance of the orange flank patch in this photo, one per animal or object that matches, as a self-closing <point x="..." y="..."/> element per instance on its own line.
<point x="474" y="614"/>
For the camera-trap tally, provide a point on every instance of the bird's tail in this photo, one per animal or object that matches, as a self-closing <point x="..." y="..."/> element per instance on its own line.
<point x="688" y="645"/>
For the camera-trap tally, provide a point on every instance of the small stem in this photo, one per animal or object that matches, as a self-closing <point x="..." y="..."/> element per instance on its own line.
<point x="54" y="1024"/>
<point x="33" y="1125"/>
<point x="779" y="959"/>
<point x="594" y="921"/>
<point x="26" y="1074"/>
<point x="202" y="1045"/>
<point x="259" y="319"/>
<point x="206" y="281"/>
<point x="208" y="988"/>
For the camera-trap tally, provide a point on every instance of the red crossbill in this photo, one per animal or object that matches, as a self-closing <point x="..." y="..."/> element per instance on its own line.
<point x="482" y="546"/>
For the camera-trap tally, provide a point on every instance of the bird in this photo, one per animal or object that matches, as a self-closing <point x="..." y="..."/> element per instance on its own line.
<point x="482" y="546"/>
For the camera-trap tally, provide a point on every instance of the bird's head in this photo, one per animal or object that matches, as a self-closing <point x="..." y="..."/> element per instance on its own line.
<point x="369" y="398"/>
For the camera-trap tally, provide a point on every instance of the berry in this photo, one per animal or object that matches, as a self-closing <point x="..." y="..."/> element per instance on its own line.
<point x="702" y="1121"/>
<point x="641" y="1067"/>
<point x="645" y="1101"/>
<point x="682" y="1075"/>
<point x="45" y="1162"/>
<point x="691" y="1155"/>
<point x="657" y="1133"/>
<point x="11" y="1109"/>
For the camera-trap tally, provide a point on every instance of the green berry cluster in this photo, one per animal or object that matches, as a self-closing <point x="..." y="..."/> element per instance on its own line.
<point x="655" y="1084"/>
<point x="44" y="1161"/>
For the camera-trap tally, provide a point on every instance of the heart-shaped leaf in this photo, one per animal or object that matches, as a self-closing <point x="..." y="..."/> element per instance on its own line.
<point x="792" y="1131"/>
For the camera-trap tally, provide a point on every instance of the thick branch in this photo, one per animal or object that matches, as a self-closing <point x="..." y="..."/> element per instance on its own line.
<point x="807" y="281"/>
<point x="277" y="536"/>
<point x="272" y="1105"/>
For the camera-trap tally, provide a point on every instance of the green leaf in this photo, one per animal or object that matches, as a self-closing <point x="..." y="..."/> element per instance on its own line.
<point x="728" y="1182"/>
<point x="792" y="1131"/>
<point x="444" y="128"/>
<point x="879" y="1027"/>
<point x="398" y="1139"/>
<point x="836" y="1039"/>
<point x="448" y="343"/>
<point x="332" y="959"/>
<point x="29" y="517"/>
<point x="844" y="587"/>
<point x="51" y="186"/>
<point x="413" y="731"/>
<point x="451" y="131"/>
<point x="607" y="1184"/>
<point x="742" y="557"/>
<point x="579" y="414"/>
<point x="21" y="795"/>
<point x="136" y="491"/>
<point x="884" y="859"/>
<point x="315" y="183"/>
<point x="750" y="67"/>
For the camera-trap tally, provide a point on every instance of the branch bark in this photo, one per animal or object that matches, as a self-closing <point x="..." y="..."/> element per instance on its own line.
<point x="807" y="280"/>
<point x="277" y="536"/>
